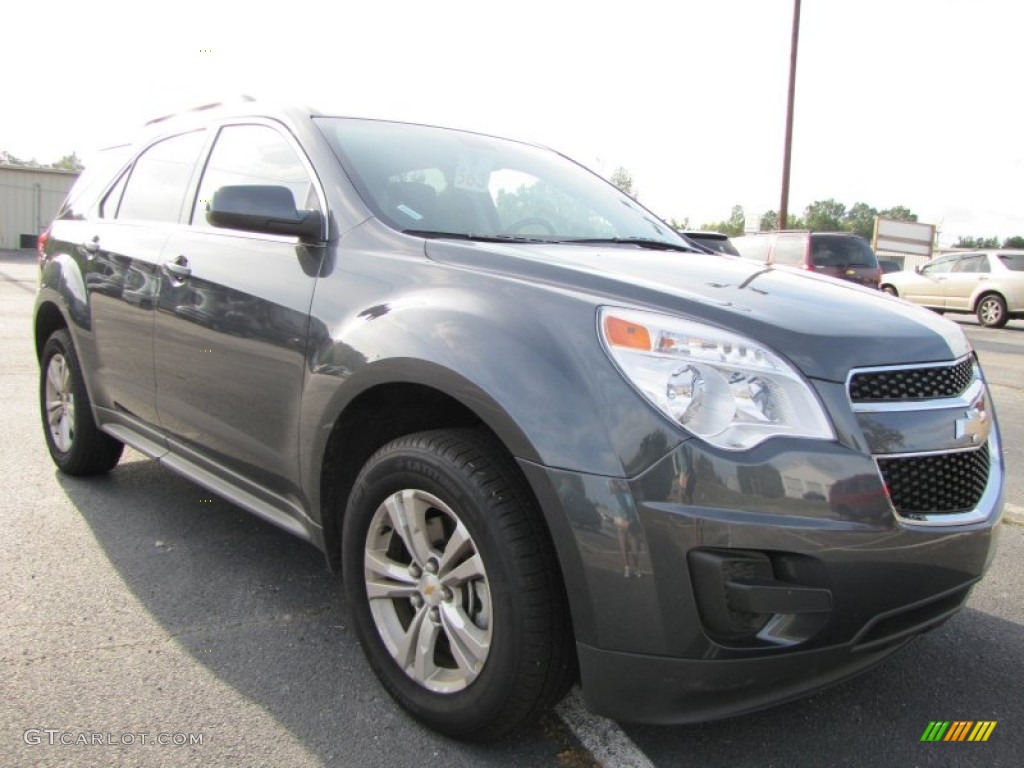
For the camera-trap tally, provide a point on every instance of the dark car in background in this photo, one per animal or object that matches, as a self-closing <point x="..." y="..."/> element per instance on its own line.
<point x="835" y="254"/>
<point x="538" y="444"/>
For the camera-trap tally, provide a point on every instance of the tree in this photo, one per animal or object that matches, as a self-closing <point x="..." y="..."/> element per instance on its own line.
<point x="69" y="163"/>
<point x="977" y="242"/>
<point x="679" y="225"/>
<point x="1014" y="242"/>
<point x="898" y="212"/>
<point x="623" y="179"/>
<point x="860" y="220"/>
<point x="6" y="158"/>
<point x="733" y="226"/>
<point x="824" y="216"/>
<point x="769" y="221"/>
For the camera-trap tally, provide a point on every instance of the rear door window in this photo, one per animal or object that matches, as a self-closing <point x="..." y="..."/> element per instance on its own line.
<point x="977" y="262"/>
<point x="160" y="177"/>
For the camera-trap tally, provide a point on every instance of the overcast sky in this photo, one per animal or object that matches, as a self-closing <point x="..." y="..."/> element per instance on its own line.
<point x="899" y="102"/>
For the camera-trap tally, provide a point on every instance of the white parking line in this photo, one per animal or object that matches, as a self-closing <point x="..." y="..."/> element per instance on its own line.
<point x="1014" y="513"/>
<point x="605" y="741"/>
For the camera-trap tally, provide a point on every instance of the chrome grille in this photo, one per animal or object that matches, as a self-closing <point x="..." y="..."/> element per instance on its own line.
<point x="912" y="383"/>
<point x="946" y="483"/>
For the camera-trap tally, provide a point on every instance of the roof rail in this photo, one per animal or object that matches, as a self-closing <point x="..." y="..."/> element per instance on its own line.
<point x="212" y="105"/>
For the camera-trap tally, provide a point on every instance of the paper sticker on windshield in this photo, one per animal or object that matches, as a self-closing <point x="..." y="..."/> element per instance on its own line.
<point x="409" y="212"/>
<point x="473" y="173"/>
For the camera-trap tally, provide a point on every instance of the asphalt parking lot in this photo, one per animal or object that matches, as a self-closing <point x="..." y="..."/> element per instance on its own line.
<point x="168" y="627"/>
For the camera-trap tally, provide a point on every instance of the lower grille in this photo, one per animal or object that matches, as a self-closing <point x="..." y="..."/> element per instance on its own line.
<point x="952" y="482"/>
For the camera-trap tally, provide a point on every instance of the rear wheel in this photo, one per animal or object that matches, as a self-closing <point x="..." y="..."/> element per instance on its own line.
<point x="453" y="585"/>
<point x="76" y="444"/>
<point x="992" y="311"/>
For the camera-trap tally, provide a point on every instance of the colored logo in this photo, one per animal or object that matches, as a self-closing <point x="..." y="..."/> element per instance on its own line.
<point x="958" y="730"/>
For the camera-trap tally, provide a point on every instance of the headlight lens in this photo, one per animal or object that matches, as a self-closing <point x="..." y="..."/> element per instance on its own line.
<point x="725" y="388"/>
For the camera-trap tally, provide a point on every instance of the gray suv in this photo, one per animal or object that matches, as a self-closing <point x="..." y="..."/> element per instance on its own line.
<point x="541" y="437"/>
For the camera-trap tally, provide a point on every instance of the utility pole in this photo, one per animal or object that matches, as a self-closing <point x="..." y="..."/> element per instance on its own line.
<point x="787" y="154"/>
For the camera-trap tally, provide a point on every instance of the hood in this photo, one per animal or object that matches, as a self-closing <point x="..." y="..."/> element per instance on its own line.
<point x="824" y="326"/>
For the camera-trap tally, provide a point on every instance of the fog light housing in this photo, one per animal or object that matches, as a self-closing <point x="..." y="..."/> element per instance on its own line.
<point x="740" y="600"/>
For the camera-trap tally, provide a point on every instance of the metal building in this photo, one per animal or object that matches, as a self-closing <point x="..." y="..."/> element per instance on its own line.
<point x="29" y="199"/>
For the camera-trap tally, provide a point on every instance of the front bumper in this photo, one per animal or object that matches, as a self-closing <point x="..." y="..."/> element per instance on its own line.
<point x="662" y="638"/>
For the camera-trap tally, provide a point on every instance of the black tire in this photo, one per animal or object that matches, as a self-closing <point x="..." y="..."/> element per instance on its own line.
<point x="991" y="311"/>
<point x="517" y="601"/>
<point x="890" y="290"/>
<point x="77" y="446"/>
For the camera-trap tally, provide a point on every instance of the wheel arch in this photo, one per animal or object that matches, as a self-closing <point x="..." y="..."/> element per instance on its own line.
<point x="48" y="318"/>
<point x="372" y="418"/>
<point x="983" y="294"/>
<point x="386" y="411"/>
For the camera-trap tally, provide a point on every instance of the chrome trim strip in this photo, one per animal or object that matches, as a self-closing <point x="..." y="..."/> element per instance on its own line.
<point x="910" y="367"/>
<point x="926" y="454"/>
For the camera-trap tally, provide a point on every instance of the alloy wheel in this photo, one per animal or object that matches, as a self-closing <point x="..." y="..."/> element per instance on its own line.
<point x="428" y="591"/>
<point x="60" y="403"/>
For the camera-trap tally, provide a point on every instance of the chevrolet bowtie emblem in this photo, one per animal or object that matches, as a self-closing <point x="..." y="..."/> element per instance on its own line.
<point x="975" y="424"/>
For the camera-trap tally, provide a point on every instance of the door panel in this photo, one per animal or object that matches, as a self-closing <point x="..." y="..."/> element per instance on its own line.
<point x="122" y="278"/>
<point x="230" y="341"/>
<point x="930" y="288"/>
<point x="134" y="219"/>
<point x="969" y="273"/>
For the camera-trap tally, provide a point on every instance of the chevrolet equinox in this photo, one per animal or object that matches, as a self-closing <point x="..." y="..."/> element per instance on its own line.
<point x="542" y="438"/>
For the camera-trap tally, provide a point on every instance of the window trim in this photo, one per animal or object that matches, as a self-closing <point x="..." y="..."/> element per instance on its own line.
<point x="282" y="130"/>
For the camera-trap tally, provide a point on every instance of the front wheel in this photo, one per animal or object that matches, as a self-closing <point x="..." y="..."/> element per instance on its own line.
<point x="992" y="311"/>
<point x="77" y="446"/>
<point x="889" y="290"/>
<point x="453" y="585"/>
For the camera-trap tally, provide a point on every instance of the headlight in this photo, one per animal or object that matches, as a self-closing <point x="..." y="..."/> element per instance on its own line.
<point x="726" y="389"/>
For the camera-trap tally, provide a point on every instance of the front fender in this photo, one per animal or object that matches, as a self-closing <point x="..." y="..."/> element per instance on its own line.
<point x="525" y="360"/>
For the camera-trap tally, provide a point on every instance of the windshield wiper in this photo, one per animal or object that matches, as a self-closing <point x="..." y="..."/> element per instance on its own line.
<point x="433" y="233"/>
<point x="640" y="242"/>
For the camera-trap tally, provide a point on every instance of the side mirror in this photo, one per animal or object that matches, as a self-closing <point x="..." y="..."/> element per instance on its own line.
<point x="918" y="269"/>
<point x="262" y="208"/>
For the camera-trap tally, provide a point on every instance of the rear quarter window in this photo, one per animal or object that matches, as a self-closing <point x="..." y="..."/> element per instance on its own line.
<point x="1012" y="261"/>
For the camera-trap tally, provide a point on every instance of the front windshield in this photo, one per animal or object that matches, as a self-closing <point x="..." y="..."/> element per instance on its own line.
<point x="436" y="181"/>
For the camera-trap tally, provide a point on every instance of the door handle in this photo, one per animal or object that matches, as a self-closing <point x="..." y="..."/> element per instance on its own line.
<point x="178" y="268"/>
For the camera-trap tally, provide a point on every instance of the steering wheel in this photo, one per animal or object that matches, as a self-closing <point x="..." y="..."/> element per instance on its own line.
<point x="516" y="227"/>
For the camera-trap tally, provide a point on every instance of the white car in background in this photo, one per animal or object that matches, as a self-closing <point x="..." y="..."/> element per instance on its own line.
<point x="989" y="283"/>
